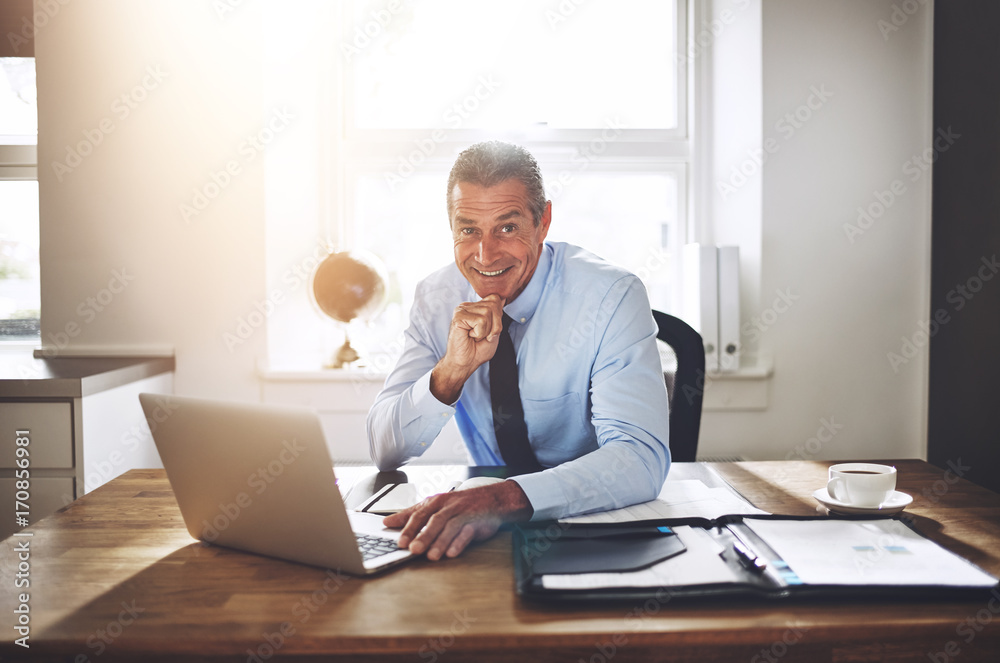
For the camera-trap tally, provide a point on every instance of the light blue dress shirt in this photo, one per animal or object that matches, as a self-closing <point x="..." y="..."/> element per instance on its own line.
<point x="591" y="384"/>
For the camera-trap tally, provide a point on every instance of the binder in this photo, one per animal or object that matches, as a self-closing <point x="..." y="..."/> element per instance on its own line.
<point x="711" y="302"/>
<point x="729" y="308"/>
<point x="701" y="297"/>
<point x="758" y="557"/>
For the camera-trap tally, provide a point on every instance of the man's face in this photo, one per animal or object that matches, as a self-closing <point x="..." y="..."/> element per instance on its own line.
<point x="496" y="241"/>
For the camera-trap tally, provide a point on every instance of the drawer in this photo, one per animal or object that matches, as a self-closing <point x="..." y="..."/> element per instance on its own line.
<point x="47" y="496"/>
<point x="51" y="428"/>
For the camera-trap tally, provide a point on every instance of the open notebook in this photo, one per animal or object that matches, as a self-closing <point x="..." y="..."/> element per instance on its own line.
<point x="763" y="556"/>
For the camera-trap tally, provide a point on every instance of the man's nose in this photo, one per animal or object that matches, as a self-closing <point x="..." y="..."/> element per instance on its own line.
<point x="488" y="251"/>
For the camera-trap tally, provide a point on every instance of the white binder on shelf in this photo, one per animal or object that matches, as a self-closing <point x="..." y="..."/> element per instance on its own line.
<point x="701" y="297"/>
<point x="729" y="308"/>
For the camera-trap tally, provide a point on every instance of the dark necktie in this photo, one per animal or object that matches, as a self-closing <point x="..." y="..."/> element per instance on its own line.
<point x="508" y="414"/>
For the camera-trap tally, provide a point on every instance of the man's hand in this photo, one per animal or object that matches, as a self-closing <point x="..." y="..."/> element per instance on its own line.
<point x="446" y="523"/>
<point x="472" y="341"/>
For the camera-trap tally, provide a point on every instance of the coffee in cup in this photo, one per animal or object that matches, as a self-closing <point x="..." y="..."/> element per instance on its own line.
<point x="865" y="485"/>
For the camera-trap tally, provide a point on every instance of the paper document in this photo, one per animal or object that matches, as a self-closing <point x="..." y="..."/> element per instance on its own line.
<point x="686" y="498"/>
<point x="398" y="496"/>
<point x="700" y="565"/>
<point x="865" y="552"/>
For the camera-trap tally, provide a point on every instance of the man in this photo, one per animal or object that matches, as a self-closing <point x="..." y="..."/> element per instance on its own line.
<point x="587" y="376"/>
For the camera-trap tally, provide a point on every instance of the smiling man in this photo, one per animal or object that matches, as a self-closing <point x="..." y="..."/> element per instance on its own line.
<point x="545" y="355"/>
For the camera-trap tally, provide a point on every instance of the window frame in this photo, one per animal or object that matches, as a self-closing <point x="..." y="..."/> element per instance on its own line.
<point x="19" y="163"/>
<point x="346" y="153"/>
<point x="537" y="135"/>
<point x="356" y="151"/>
<point x="18" y="159"/>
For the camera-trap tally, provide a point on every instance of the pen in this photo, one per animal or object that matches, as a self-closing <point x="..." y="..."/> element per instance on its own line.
<point x="747" y="557"/>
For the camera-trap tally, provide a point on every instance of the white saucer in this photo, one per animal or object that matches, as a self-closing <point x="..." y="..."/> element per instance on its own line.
<point x="896" y="503"/>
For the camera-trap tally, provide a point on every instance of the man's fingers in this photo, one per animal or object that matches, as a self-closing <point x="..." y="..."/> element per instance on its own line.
<point x="496" y="310"/>
<point x="412" y="520"/>
<point x="430" y="532"/>
<point x="397" y="520"/>
<point x="496" y="324"/>
<point x="461" y="530"/>
<point x="447" y="523"/>
<point x="482" y="322"/>
<point x="475" y="317"/>
<point x="413" y="527"/>
<point x="480" y="328"/>
<point x="445" y="540"/>
<point x="461" y="542"/>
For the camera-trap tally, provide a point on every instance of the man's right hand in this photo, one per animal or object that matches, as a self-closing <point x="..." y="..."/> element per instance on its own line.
<point x="472" y="341"/>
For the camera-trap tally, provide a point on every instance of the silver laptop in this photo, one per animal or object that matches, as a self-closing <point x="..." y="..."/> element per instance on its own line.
<point x="260" y="479"/>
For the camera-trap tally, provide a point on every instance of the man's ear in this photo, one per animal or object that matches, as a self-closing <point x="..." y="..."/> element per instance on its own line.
<point x="543" y="223"/>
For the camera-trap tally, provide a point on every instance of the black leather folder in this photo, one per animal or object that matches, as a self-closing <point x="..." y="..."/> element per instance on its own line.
<point x="589" y="549"/>
<point x="739" y="556"/>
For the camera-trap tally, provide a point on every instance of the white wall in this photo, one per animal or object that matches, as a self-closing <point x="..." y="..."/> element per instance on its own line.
<point x="186" y="284"/>
<point x="854" y="301"/>
<point x="730" y="62"/>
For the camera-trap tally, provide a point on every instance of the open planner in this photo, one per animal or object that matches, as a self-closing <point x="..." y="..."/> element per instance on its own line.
<point x="752" y="555"/>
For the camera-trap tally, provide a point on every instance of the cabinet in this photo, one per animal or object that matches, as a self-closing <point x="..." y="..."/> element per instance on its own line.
<point x="84" y="426"/>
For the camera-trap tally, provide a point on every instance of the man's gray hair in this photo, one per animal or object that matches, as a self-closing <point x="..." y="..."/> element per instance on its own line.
<point x="491" y="162"/>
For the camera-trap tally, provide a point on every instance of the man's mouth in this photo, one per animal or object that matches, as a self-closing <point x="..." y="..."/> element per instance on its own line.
<point x="496" y="273"/>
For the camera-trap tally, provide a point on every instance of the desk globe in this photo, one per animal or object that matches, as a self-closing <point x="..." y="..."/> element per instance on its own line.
<point x="346" y="286"/>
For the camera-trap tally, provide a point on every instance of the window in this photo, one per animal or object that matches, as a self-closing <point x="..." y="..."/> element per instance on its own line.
<point x="19" y="271"/>
<point x="595" y="91"/>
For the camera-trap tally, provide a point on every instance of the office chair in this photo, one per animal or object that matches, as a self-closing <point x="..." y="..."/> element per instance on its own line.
<point x="685" y="385"/>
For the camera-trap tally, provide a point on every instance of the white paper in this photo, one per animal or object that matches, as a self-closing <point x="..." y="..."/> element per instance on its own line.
<point x="404" y="495"/>
<point x="865" y="552"/>
<point x="686" y="498"/>
<point x="400" y="496"/>
<point x="700" y="564"/>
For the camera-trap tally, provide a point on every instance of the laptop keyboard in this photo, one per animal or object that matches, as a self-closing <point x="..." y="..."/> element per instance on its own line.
<point x="372" y="546"/>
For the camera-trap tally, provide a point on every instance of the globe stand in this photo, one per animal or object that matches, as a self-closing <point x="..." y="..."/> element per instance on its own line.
<point x="347" y="286"/>
<point x="345" y="355"/>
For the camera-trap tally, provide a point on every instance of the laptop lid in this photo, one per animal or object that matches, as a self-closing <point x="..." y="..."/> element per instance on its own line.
<point x="258" y="478"/>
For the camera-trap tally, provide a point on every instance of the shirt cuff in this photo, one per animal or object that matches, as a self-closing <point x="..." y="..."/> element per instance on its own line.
<point x="544" y="493"/>
<point x="422" y="403"/>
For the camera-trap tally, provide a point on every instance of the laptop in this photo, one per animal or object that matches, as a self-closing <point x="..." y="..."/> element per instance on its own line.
<point x="259" y="478"/>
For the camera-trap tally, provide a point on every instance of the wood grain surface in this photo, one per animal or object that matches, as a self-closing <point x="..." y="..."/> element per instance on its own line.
<point x="115" y="576"/>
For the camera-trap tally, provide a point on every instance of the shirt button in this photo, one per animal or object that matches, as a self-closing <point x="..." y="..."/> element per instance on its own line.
<point x="523" y="319"/>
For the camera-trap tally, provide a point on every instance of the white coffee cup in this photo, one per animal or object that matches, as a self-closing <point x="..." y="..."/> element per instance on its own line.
<point x="861" y="484"/>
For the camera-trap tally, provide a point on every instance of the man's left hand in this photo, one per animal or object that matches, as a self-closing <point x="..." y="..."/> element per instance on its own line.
<point x="445" y="524"/>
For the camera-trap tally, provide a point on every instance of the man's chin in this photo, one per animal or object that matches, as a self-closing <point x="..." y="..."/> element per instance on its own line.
<point x="485" y="286"/>
<point x="486" y="292"/>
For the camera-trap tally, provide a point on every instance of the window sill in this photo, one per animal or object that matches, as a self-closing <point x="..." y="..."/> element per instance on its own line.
<point x="743" y="390"/>
<point x="349" y="391"/>
<point x="350" y="375"/>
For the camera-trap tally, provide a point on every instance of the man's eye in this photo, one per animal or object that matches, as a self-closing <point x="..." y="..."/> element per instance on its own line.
<point x="508" y="228"/>
<point x="466" y="231"/>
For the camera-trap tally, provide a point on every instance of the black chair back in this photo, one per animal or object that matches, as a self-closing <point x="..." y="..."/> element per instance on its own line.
<point x="685" y="387"/>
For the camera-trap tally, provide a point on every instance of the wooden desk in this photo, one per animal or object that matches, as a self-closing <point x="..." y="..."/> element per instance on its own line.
<point x="123" y="549"/>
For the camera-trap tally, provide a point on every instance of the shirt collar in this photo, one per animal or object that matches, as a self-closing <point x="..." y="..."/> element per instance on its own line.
<point x="524" y="305"/>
